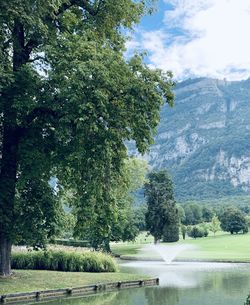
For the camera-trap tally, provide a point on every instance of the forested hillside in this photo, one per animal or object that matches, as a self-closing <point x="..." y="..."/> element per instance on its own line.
<point x="204" y="141"/>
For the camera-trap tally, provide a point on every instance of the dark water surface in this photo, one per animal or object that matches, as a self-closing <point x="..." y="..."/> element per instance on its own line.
<point x="180" y="284"/>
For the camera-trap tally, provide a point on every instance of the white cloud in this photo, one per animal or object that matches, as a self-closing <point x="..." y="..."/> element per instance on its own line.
<point x="202" y="38"/>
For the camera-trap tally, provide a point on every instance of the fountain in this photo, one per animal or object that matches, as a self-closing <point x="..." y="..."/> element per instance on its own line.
<point x="166" y="252"/>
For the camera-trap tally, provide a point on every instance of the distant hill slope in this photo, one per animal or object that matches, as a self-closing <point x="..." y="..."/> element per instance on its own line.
<point x="204" y="141"/>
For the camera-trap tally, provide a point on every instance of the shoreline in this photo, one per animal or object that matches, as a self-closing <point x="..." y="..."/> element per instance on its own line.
<point x="51" y="294"/>
<point x="180" y="260"/>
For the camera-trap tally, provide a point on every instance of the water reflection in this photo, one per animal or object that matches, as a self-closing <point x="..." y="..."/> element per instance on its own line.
<point x="188" y="284"/>
<point x="162" y="296"/>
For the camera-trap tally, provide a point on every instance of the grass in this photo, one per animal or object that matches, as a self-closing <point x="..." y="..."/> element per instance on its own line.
<point x="226" y="247"/>
<point x="35" y="280"/>
<point x="132" y="248"/>
<point x="125" y="249"/>
<point x="221" y="247"/>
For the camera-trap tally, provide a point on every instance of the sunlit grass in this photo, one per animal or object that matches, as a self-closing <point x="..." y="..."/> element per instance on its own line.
<point x="221" y="247"/>
<point x="35" y="280"/>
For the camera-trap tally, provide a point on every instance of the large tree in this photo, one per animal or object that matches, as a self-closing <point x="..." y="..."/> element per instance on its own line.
<point x="162" y="218"/>
<point x="68" y="101"/>
<point x="233" y="221"/>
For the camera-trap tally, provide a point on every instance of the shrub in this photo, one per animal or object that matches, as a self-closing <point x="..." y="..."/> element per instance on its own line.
<point x="64" y="261"/>
<point x="247" y="301"/>
<point x="197" y="232"/>
<point x="71" y="242"/>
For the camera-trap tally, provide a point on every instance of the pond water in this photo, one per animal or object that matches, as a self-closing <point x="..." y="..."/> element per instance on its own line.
<point x="180" y="284"/>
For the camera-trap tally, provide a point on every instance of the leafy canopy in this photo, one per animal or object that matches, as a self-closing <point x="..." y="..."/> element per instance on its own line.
<point x="162" y="218"/>
<point x="71" y="100"/>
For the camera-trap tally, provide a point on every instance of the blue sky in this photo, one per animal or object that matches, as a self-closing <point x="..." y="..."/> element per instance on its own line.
<point x="196" y="38"/>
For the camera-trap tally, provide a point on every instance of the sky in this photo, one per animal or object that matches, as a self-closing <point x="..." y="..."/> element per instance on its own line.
<point x="197" y="38"/>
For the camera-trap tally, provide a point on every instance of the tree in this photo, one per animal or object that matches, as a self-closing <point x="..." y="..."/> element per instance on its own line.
<point x="122" y="222"/>
<point x="139" y="214"/>
<point x="68" y="101"/>
<point x="247" y="300"/>
<point x="233" y="221"/>
<point x="183" y="231"/>
<point x="214" y="225"/>
<point x="181" y="213"/>
<point x="207" y="214"/>
<point x="162" y="215"/>
<point x="195" y="232"/>
<point x="193" y="214"/>
<point x="69" y="222"/>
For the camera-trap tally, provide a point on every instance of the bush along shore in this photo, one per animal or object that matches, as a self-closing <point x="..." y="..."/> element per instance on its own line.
<point x="64" y="261"/>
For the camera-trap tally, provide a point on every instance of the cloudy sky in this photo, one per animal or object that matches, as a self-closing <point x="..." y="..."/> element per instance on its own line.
<point x="197" y="38"/>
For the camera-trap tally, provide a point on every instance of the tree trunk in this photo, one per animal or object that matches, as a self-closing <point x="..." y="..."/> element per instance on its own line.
<point x="7" y="195"/>
<point x="9" y="150"/>
<point x="5" y="256"/>
<point x="106" y="246"/>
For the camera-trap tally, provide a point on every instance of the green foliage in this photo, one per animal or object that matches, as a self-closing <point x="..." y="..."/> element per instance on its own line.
<point x="139" y="214"/>
<point x="69" y="102"/>
<point x="207" y="214"/>
<point x="193" y="214"/>
<point x="183" y="231"/>
<point x="214" y="225"/>
<point x="233" y="221"/>
<point x="247" y="301"/>
<point x="162" y="218"/>
<point x="171" y="231"/>
<point x="197" y="231"/>
<point x="71" y="242"/>
<point x="248" y="220"/>
<point x="181" y="212"/>
<point x="64" y="261"/>
<point x="68" y="224"/>
<point x="36" y="206"/>
<point x="123" y="221"/>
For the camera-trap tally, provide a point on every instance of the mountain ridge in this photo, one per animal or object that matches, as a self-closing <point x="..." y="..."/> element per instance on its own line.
<point x="204" y="140"/>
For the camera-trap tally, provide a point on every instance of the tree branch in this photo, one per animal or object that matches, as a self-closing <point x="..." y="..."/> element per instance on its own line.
<point x="30" y="45"/>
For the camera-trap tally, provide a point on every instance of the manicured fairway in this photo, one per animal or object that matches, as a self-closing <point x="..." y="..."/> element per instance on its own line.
<point x="222" y="247"/>
<point x="225" y="247"/>
<point x="33" y="280"/>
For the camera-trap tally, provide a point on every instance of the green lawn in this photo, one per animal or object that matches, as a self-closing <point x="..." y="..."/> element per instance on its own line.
<point x="225" y="247"/>
<point x="34" y="280"/>
<point x="126" y="249"/>
<point x="222" y="247"/>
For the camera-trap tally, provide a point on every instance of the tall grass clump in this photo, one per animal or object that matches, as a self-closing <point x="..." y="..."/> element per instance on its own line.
<point x="64" y="261"/>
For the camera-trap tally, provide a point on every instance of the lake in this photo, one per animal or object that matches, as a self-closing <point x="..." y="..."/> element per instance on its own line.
<point x="180" y="284"/>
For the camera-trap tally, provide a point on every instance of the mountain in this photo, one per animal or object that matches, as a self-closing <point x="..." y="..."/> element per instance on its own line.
<point x="204" y="140"/>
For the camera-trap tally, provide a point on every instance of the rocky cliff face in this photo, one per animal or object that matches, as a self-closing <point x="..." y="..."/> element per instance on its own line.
<point x="204" y="141"/>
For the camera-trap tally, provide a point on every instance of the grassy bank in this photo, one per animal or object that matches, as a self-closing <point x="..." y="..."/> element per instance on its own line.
<point x="222" y="247"/>
<point x="35" y="280"/>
